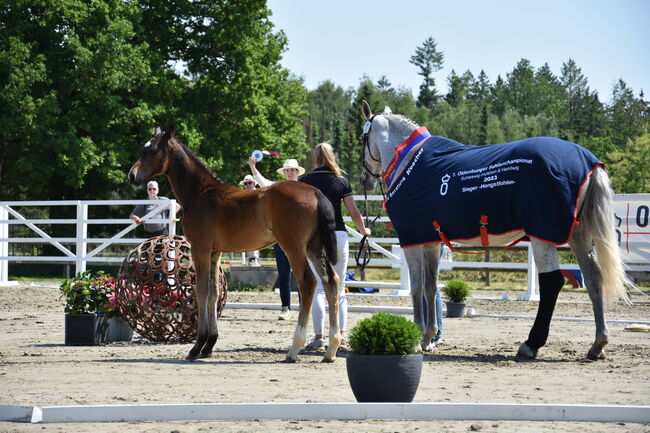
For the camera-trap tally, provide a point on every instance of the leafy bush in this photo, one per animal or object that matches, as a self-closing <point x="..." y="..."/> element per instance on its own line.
<point x="457" y="291"/>
<point x="385" y="334"/>
<point x="86" y="294"/>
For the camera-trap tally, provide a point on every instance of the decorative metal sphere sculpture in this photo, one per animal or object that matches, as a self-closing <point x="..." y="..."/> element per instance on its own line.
<point x="155" y="290"/>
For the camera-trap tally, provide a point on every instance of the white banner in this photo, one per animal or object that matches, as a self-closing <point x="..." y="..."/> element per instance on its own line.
<point x="633" y="227"/>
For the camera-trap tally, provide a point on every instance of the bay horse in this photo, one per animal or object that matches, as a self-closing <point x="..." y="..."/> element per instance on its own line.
<point x="546" y="189"/>
<point x="220" y="217"/>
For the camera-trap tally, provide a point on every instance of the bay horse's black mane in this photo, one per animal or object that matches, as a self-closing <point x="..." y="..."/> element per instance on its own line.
<point x="192" y="156"/>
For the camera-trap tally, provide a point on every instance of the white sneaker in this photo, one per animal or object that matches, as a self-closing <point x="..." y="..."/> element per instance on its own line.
<point x="316" y="344"/>
<point x="285" y="314"/>
<point x="437" y="341"/>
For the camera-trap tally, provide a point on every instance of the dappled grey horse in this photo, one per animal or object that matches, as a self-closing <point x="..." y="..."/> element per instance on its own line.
<point x="546" y="189"/>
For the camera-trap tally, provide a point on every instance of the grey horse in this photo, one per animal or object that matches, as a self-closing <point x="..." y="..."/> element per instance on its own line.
<point x="391" y="150"/>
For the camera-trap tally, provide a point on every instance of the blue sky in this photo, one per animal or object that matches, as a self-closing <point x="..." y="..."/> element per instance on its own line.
<point x="343" y="40"/>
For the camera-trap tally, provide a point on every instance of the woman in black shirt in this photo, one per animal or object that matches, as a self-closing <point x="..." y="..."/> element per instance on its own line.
<point x="327" y="177"/>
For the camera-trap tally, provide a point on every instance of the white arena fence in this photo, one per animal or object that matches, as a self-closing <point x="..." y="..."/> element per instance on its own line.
<point x="632" y="219"/>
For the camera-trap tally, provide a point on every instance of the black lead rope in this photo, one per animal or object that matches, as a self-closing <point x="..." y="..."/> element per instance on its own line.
<point x="362" y="257"/>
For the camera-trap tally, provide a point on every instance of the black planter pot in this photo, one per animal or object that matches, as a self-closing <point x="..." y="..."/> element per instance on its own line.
<point x="384" y="378"/>
<point x="455" y="309"/>
<point x="119" y="329"/>
<point x="86" y="329"/>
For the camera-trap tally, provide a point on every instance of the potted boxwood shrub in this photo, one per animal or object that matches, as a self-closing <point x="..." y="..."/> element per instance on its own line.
<point x="457" y="291"/>
<point x="384" y="364"/>
<point x="86" y="319"/>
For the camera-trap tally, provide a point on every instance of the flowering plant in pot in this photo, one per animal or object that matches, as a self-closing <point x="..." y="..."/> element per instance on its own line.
<point x="385" y="363"/>
<point x="87" y="309"/>
<point x="457" y="292"/>
<point x="118" y="328"/>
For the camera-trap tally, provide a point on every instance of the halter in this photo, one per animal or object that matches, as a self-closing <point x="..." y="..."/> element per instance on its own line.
<point x="365" y="142"/>
<point x="362" y="257"/>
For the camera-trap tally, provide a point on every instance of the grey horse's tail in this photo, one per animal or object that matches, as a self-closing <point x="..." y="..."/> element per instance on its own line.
<point x="597" y="218"/>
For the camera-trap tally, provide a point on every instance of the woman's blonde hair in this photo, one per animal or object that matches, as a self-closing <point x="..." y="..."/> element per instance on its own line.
<point x="323" y="156"/>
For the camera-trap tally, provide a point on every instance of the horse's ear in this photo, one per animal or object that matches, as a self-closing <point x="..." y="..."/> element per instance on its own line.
<point x="171" y="131"/>
<point x="157" y="130"/>
<point x="387" y="110"/>
<point x="365" y="109"/>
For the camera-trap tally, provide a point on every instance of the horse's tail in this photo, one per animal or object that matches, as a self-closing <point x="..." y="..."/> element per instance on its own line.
<point x="598" y="220"/>
<point x="326" y="230"/>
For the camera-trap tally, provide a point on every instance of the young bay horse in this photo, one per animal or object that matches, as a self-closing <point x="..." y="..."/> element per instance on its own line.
<point x="547" y="189"/>
<point x="220" y="217"/>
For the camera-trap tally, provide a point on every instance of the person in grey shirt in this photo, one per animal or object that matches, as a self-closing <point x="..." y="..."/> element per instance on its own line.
<point x="152" y="229"/>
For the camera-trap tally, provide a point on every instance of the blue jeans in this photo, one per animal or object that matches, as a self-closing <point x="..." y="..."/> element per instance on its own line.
<point x="284" y="275"/>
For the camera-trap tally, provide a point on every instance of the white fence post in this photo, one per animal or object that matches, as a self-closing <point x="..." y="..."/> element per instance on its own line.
<point x="172" y="217"/>
<point x="404" y="278"/>
<point x="532" y="294"/>
<point x="4" y="248"/>
<point x="82" y="234"/>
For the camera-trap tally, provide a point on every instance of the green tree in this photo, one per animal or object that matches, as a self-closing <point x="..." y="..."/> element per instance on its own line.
<point x="580" y="105"/>
<point x="428" y="60"/>
<point x="629" y="166"/>
<point x="548" y="91"/>
<point x="626" y="114"/>
<point x="74" y="79"/>
<point x="521" y="88"/>
<point x="83" y="83"/>
<point x="480" y="89"/>
<point x="459" y="87"/>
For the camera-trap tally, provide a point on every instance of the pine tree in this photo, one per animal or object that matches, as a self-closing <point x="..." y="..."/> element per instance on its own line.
<point x="429" y="60"/>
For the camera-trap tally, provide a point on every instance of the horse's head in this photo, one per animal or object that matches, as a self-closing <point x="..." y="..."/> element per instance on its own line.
<point x="153" y="158"/>
<point x="374" y="133"/>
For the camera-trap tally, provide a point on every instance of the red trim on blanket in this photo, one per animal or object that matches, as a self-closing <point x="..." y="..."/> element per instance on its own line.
<point x="485" y="240"/>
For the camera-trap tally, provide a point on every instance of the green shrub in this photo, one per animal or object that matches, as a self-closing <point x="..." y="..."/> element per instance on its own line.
<point x="457" y="291"/>
<point x="385" y="334"/>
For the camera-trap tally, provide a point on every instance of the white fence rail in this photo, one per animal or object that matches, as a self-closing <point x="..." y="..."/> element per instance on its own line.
<point x="632" y="218"/>
<point x="74" y="249"/>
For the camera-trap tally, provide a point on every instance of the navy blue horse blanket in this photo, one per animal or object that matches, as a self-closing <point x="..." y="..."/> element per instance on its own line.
<point x="441" y="190"/>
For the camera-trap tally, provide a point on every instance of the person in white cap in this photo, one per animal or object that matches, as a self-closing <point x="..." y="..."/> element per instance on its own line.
<point x="291" y="170"/>
<point x="252" y="257"/>
<point x="248" y="182"/>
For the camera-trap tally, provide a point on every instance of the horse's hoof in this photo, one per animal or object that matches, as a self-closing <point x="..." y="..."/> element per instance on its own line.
<point x="204" y="355"/>
<point x="428" y="347"/>
<point x="526" y="352"/>
<point x="595" y="356"/>
<point x="290" y="360"/>
<point x="327" y="359"/>
<point x="191" y="357"/>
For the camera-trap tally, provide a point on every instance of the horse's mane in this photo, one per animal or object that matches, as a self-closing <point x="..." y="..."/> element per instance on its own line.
<point x="204" y="168"/>
<point x="405" y="121"/>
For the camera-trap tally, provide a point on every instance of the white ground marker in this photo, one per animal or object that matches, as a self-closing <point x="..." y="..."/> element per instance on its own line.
<point x="329" y="411"/>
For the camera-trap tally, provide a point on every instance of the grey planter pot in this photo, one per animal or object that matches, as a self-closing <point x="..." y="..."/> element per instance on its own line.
<point x="384" y="378"/>
<point x="86" y="329"/>
<point x="455" y="309"/>
<point x="119" y="329"/>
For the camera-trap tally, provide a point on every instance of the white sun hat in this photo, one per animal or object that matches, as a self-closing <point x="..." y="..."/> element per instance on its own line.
<point x="248" y="178"/>
<point x="291" y="163"/>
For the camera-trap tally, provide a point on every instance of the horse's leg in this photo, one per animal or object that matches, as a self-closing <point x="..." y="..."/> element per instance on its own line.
<point x="431" y="261"/>
<point x="415" y="260"/>
<point x="213" y="297"/>
<point x="551" y="281"/>
<point x="306" y="285"/>
<point x="202" y="267"/>
<point x="581" y="245"/>
<point x="331" y="285"/>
